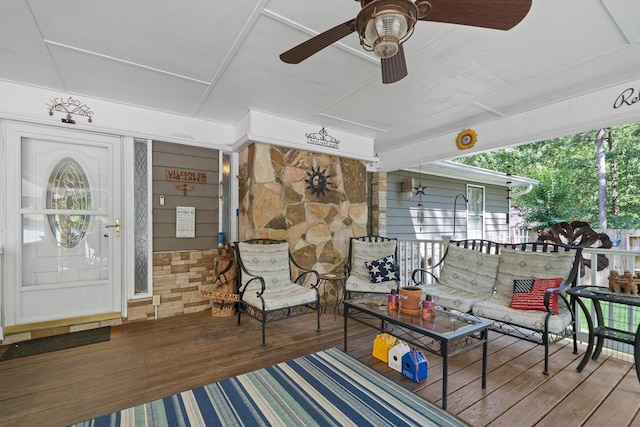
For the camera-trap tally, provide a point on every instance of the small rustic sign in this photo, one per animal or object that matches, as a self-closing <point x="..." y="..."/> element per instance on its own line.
<point x="224" y="296"/>
<point x="186" y="176"/>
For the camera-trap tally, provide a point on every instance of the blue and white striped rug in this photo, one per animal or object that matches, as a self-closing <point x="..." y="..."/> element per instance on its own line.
<point x="328" y="388"/>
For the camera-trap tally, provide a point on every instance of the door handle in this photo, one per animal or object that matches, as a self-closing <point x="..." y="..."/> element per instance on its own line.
<point x="116" y="226"/>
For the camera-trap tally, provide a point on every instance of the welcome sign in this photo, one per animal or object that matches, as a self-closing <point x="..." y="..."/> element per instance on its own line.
<point x="186" y="176"/>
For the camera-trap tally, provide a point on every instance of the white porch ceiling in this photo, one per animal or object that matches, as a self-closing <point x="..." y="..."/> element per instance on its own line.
<point x="215" y="60"/>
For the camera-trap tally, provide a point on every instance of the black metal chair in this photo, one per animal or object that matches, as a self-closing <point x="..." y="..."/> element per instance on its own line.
<point x="266" y="286"/>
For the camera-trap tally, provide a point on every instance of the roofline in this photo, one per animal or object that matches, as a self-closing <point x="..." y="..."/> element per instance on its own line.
<point x="448" y="169"/>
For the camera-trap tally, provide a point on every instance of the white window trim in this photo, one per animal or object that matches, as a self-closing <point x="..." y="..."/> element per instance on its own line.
<point x="483" y="213"/>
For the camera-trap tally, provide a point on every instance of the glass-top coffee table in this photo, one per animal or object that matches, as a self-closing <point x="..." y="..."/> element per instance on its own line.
<point x="449" y="334"/>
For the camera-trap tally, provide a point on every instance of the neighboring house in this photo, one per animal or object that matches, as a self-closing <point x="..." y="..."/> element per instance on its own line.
<point x="446" y="185"/>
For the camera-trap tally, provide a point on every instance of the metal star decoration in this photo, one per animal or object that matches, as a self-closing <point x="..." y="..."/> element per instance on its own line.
<point x="420" y="190"/>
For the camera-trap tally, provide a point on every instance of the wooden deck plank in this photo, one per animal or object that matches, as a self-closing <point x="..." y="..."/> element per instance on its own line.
<point x="151" y="359"/>
<point x="541" y="394"/>
<point x="511" y="384"/>
<point x="503" y="365"/>
<point x="623" y="403"/>
<point x="587" y="396"/>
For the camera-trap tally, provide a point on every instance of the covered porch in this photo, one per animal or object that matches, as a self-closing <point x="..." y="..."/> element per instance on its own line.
<point x="145" y="361"/>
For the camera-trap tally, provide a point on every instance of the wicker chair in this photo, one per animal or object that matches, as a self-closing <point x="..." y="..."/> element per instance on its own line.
<point x="364" y="255"/>
<point x="266" y="286"/>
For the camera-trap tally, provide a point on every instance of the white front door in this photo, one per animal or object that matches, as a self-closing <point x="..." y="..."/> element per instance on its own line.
<point x="63" y="225"/>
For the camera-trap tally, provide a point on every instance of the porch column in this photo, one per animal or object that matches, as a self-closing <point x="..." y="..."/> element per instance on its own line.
<point x="379" y="203"/>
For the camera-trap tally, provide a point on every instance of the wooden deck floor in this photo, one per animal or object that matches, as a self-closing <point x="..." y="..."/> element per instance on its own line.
<point x="147" y="360"/>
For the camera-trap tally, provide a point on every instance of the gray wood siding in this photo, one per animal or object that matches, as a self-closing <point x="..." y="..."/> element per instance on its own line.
<point x="204" y="197"/>
<point x="438" y="202"/>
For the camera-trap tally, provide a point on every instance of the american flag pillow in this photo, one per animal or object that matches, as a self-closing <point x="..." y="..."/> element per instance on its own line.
<point x="528" y="294"/>
<point x="382" y="270"/>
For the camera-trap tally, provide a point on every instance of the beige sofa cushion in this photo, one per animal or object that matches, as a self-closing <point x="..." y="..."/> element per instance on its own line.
<point x="470" y="271"/>
<point x="453" y="299"/>
<point x="497" y="308"/>
<point x="516" y="264"/>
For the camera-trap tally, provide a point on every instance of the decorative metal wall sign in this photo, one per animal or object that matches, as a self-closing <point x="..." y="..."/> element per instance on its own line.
<point x="70" y="106"/>
<point x="322" y="139"/>
<point x="68" y="189"/>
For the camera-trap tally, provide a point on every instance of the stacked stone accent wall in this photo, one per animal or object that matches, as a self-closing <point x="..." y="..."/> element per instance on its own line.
<point x="177" y="276"/>
<point x="276" y="202"/>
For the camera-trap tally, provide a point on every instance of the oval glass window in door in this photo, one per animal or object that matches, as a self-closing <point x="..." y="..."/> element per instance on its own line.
<point x="68" y="190"/>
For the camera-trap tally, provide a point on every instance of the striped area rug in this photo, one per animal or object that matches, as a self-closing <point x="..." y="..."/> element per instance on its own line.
<point x="328" y="388"/>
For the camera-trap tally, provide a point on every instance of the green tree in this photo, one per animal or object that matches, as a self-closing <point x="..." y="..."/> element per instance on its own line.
<point x="567" y="169"/>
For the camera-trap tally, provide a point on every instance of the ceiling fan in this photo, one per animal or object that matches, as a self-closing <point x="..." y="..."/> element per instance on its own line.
<point x="383" y="25"/>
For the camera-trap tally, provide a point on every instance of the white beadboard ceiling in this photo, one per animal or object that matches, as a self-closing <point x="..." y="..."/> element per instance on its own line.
<point x="215" y="60"/>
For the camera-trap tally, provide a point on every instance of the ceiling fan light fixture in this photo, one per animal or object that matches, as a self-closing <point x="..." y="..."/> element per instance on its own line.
<point x="384" y="32"/>
<point x="384" y="24"/>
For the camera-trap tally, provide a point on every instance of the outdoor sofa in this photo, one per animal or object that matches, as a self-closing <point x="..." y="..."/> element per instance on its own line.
<point x="502" y="283"/>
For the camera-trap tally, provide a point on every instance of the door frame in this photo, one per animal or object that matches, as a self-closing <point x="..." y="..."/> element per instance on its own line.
<point x="13" y="132"/>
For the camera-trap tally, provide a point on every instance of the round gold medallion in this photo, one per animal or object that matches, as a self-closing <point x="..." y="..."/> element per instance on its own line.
<point x="466" y="139"/>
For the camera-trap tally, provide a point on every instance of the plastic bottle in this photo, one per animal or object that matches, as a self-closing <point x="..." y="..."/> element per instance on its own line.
<point x="428" y="309"/>
<point x="393" y="303"/>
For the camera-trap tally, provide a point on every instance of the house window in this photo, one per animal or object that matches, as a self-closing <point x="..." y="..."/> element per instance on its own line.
<point x="475" y="212"/>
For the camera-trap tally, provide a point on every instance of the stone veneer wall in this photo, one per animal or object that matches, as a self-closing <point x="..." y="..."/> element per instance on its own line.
<point x="177" y="276"/>
<point x="276" y="202"/>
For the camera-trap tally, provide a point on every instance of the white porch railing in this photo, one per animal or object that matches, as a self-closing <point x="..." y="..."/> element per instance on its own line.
<point x="414" y="254"/>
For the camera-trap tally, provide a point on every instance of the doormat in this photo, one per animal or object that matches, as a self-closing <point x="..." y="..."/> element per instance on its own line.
<point x="56" y="342"/>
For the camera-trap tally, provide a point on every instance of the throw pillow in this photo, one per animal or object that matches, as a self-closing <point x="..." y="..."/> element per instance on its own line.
<point x="382" y="269"/>
<point x="528" y="294"/>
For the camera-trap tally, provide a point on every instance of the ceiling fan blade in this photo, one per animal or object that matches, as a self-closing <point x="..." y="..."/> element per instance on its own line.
<point x="496" y="14"/>
<point x="395" y="68"/>
<point x="315" y="44"/>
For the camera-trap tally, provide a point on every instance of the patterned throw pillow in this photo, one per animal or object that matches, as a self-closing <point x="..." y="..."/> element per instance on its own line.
<point x="382" y="269"/>
<point x="528" y="294"/>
